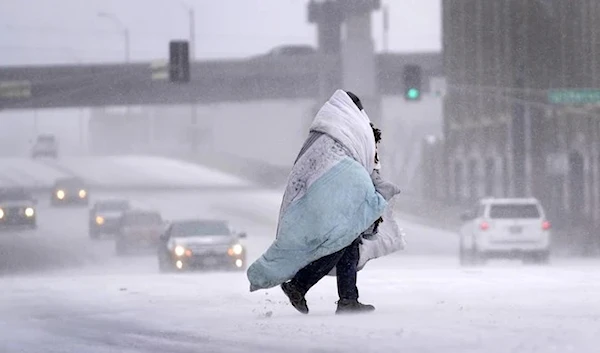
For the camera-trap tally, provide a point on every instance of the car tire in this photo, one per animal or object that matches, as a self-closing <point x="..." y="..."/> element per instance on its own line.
<point x="464" y="255"/>
<point x="470" y="257"/>
<point x="94" y="235"/>
<point x="164" y="267"/>
<point x="120" y="248"/>
<point x="479" y="257"/>
<point x="537" y="258"/>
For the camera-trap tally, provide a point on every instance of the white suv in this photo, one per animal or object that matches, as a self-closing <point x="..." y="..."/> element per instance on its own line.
<point x="505" y="228"/>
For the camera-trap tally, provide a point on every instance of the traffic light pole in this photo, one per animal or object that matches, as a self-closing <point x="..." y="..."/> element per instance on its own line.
<point x="194" y="125"/>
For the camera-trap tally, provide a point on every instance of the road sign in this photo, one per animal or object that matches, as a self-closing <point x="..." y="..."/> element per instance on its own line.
<point x="15" y="89"/>
<point x="574" y="96"/>
<point x="160" y="70"/>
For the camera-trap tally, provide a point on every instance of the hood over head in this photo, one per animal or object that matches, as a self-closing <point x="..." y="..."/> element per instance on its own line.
<point x="342" y="119"/>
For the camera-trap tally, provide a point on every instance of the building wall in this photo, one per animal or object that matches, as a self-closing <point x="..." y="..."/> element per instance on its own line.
<point x="500" y="57"/>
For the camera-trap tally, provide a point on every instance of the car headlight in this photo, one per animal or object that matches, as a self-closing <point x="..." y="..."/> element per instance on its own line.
<point x="99" y="220"/>
<point x="237" y="249"/>
<point x="29" y="212"/>
<point x="179" y="264"/>
<point x="60" y="194"/>
<point x="1" y="213"/>
<point x="82" y="193"/>
<point x="179" y="250"/>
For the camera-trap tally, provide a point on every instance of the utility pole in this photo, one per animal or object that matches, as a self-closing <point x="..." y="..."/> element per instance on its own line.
<point x="127" y="47"/>
<point x="35" y="122"/>
<point x="192" y="32"/>
<point x="193" y="111"/>
<point x="386" y="28"/>
<point x="81" y="131"/>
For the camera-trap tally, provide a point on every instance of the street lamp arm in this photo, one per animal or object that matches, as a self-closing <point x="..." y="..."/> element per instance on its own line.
<point x="114" y="20"/>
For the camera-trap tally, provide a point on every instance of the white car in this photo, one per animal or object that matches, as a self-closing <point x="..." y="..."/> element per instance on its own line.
<point x="45" y="146"/>
<point x="505" y="228"/>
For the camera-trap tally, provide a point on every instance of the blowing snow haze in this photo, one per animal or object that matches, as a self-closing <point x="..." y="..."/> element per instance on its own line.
<point x="127" y="189"/>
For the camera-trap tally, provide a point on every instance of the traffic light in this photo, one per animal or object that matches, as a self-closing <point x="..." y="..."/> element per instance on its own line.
<point x="412" y="82"/>
<point x="179" y="61"/>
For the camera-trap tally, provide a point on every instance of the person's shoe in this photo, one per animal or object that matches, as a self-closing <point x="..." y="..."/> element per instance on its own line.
<point x="295" y="296"/>
<point x="352" y="306"/>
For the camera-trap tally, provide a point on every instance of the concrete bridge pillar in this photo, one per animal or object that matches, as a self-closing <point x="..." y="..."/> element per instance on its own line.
<point x="359" y="66"/>
<point x="355" y="54"/>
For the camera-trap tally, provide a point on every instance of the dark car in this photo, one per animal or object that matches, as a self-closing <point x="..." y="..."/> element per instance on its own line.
<point x="105" y="216"/>
<point x="139" y="231"/>
<point x="189" y="244"/>
<point x="17" y="209"/>
<point x="67" y="191"/>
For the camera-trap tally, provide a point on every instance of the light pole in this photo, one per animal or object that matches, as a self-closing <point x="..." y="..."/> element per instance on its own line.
<point x="386" y="28"/>
<point x="192" y="28"/>
<point x="193" y="112"/>
<point x="124" y="30"/>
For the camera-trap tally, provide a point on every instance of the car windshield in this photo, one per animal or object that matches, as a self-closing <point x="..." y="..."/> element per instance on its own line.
<point x="112" y="206"/>
<point x="200" y="228"/>
<point x="511" y="211"/>
<point x="70" y="183"/>
<point x="143" y="219"/>
<point x="293" y="50"/>
<point x="46" y="139"/>
<point x="14" y="195"/>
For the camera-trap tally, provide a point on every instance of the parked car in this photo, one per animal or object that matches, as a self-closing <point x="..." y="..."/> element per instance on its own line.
<point x="505" y="228"/>
<point x="139" y="231"/>
<point x="105" y="216"/>
<point x="292" y="50"/>
<point x="198" y="243"/>
<point x="17" y="209"/>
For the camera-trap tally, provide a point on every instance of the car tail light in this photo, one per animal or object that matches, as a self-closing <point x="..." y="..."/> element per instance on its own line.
<point x="545" y="225"/>
<point x="484" y="225"/>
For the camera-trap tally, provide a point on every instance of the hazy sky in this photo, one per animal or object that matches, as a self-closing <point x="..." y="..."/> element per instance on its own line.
<point x="67" y="31"/>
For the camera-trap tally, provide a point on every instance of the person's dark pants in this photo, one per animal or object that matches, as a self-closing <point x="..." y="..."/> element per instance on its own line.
<point x="345" y="261"/>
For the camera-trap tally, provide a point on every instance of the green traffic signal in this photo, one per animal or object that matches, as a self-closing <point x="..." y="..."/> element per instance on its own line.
<point x="413" y="93"/>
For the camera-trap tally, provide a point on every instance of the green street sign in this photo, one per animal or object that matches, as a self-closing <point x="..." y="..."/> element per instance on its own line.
<point x="574" y="96"/>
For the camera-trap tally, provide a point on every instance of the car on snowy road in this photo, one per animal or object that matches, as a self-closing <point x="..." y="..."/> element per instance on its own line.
<point x="139" y="231"/>
<point x="17" y="209"/>
<point x="45" y="145"/>
<point x="505" y="228"/>
<point x="68" y="191"/>
<point x="105" y="216"/>
<point x="198" y="243"/>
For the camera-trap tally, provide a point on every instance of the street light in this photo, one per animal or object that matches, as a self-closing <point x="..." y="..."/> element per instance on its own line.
<point x="193" y="112"/>
<point x="113" y="18"/>
<point x="192" y="24"/>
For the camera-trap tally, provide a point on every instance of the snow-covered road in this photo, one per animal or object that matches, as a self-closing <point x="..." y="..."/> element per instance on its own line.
<point x="425" y="301"/>
<point x="115" y="172"/>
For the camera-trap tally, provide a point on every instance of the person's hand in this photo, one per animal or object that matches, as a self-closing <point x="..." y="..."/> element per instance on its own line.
<point x="385" y="188"/>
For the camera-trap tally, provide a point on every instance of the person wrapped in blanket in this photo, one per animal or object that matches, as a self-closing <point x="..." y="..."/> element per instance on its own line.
<point x="332" y="210"/>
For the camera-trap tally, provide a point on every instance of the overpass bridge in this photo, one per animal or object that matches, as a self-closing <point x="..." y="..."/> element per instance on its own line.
<point x="260" y="78"/>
